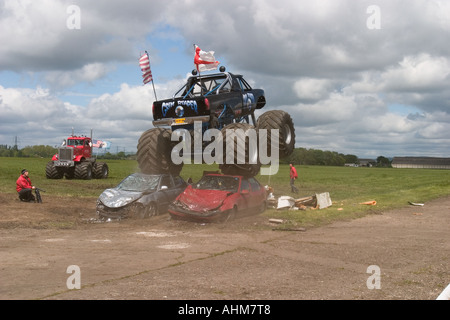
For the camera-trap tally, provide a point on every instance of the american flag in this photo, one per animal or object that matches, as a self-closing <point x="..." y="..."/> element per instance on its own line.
<point x="144" y="63"/>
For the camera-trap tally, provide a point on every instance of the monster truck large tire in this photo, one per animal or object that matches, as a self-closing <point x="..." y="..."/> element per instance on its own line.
<point x="69" y="173"/>
<point x="52" y="172"/>
<point x="83" y="170"/>
<point x="252" y="165"/>
<point x="100" y="170"/>
<point x="281" y="120"/>
<point x="154" y="152"/>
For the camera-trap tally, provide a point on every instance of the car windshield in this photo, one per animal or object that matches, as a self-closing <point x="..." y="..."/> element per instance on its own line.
<point x="218" y="183"/>
<point x="139" y="183"/>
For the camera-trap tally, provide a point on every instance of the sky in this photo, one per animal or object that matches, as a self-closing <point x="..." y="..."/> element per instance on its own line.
<point x="367" y="78"/>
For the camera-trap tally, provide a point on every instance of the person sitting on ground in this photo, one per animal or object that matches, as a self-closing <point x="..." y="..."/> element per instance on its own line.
<point x="24" y="187"/>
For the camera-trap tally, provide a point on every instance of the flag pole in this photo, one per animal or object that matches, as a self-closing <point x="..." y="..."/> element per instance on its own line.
<point x="154" y="91"/>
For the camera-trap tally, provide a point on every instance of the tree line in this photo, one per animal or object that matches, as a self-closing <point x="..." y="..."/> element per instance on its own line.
<point x="303" y="156"/>
<point x="40" y="151"/>
<point x="300" y="156"/>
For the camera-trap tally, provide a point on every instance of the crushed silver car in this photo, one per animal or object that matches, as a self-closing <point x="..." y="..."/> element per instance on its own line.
<point x="140" y="195"/>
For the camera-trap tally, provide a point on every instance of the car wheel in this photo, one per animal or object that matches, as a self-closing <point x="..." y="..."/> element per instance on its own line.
<point x="263" y="207"/>
<point x="152" y="210"/>
<point x="231" y="215"/>
<point x="140" y="211"/>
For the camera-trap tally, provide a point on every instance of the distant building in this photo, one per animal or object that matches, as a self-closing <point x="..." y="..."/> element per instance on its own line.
<point x="367" y="162"/>
<point x="351" y="165"/>
<point x="421" y="162"/>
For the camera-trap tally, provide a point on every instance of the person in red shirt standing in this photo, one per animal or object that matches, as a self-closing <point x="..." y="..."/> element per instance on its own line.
<point x="24" y="187"/>
<point x="293" y="175"/>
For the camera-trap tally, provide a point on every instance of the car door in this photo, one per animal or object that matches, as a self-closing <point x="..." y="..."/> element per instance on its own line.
<point x="246" y="197"/>
<point x="179" y="186"/>
<point x="256" y="193"/>
<point x="165" y="192"/>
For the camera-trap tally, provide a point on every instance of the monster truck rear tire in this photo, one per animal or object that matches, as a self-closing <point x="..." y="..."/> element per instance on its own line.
<point x="154" y="152"/>
<point x="252" y="165"/>
<point x="52" y="172"/>
<point x="83" y="170"/>
<point x="100" y="170"/>
<point x="281" y="120"/>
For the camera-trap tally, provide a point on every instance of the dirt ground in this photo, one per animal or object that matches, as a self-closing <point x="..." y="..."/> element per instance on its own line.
<point x="397" y="255"/>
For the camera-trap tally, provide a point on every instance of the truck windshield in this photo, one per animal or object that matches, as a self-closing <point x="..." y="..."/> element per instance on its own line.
<point x="75" y="142"/>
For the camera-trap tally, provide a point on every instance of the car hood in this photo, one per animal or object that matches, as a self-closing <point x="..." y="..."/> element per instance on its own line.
<point x="203" y="200"/>
<point x="115" y="198"/>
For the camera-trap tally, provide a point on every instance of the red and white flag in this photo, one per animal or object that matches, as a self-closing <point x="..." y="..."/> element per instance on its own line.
<point x="144" y="63"/>
<point x="204" y="60"/>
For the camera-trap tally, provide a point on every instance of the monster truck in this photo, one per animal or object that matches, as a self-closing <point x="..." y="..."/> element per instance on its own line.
<point x="221" y="101"/>
<point x="74" y="161"/>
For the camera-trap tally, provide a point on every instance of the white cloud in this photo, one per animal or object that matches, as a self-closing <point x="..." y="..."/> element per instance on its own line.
<point x="418" y="74"/>
<point x="87" y="73"/>
<point x="313" y="89"/>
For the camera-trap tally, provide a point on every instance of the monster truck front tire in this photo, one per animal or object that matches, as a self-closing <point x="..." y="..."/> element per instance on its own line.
<point x="69" y="173"/>
<point x="52" y="172"/>
<point x="154" y="152"/>
<point x="100" y="170"/>
<point x="281" y="120"/>
<point x="83" y="170"/>
<point x="241" y="138"/>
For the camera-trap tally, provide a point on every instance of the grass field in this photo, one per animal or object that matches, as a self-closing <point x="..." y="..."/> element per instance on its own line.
<point x="347" y="186"/>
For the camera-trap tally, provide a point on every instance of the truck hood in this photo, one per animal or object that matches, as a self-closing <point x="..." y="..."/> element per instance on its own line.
<point x="114" y="198"/>
<point x="203" y="200"/>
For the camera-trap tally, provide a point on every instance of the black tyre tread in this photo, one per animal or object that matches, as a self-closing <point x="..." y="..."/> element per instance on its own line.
<point x="100" y="170"/>
<point x="52" y="172"/>
<point x="69" y="173"/>
<point x="154" y="152"/>
<point x="247" y="169"/>
<point x="83" y="170"/>
<point x="277" y="119"/>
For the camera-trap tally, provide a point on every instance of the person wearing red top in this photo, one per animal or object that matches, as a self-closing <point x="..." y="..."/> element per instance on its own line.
<point x="24" y="187"/>
<point x="293" y="175"/>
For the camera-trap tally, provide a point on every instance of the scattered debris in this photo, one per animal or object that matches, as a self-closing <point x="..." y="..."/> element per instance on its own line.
<point x="285" y="202"/>
<point x="306" y="202"/>
<point x="271" y="201"/>
<point x="100" y="220"/>
<point x="370" y="203"/>
<point x="317" y="201"/>
<point x="276" y="220"/>
<point x="323" y="200"/>
<point x="416" y="204"/>
<point x="288" y="229"/>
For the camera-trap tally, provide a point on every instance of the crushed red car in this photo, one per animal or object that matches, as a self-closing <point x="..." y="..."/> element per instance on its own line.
<point x="218" y="197"/>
